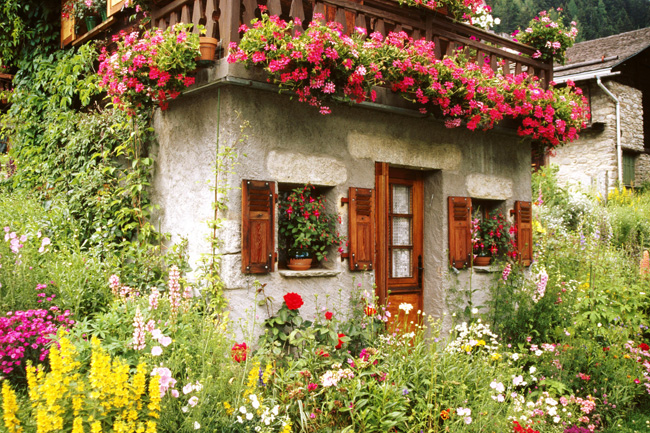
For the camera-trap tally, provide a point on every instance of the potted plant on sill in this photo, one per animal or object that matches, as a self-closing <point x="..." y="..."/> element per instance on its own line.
<point x="307" y="230"/>
<point x="92" y="12"/>
<point x="492" y="237"/>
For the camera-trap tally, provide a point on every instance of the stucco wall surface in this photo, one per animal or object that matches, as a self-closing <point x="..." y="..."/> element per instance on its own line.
<point x="289" y="142"/>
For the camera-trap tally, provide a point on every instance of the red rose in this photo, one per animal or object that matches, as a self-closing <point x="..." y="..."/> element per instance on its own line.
<point x="328" y="315"/>
<point x="644" y="347"/>
<point x="293" y="301"/>
<point x="338" y="346"/>
<point x="239" y="352"/>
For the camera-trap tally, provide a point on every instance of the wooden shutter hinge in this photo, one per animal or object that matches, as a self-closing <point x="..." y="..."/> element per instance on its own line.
<point x="345" y="256"/>
<point x="344" y="200"/>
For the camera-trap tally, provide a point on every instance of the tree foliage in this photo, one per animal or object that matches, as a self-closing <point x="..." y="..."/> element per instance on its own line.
<point x="595" y="18"/>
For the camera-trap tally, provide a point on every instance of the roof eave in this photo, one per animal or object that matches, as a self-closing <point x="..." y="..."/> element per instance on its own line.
<point x="587" y="75"/>
<point x="622" y="61"/>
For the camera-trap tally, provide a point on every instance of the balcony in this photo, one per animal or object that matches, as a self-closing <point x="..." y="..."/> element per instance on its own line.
<point x="223" y="18"/>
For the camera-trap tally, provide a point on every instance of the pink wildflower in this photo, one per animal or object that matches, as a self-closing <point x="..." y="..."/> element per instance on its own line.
<point x="138" y="342"/>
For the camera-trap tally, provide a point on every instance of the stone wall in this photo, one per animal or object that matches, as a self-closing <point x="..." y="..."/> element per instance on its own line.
<point x="643" y="169"/>
<point x="591" y="161"/>
<point x="289" y="142"/>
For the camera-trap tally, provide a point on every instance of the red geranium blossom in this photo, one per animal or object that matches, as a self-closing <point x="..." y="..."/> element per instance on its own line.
<point x="644" y="347"/>
<point x="328" y="315"/>
<point x="338" y="346"/>
<point x="293" y="301"/>
<point x="239" y="352"/>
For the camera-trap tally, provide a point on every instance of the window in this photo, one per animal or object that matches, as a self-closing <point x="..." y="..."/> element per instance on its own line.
<point x="259" y="212"/>
<point x="460" y="225"/>
<point x="302" y="200"/>
<point x="629" y="160"/>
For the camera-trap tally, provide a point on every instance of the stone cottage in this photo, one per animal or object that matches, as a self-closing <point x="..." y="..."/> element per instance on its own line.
<point x="403" y="184"/>
<point x="613" y="73"/>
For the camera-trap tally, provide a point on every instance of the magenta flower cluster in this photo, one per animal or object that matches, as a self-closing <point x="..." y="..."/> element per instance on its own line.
<point x="549" y="35"/>
<point x="323" y="64"/>
<point x="149" y="70"/>
<point x="27" y="335"/>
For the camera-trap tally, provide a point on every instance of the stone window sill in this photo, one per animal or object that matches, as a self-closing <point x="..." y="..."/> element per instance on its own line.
<point x="487" y="269"/>
<point x="310" y="273"/>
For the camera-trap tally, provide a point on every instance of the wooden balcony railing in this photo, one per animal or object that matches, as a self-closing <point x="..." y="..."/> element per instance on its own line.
<point x="222" y="19"/>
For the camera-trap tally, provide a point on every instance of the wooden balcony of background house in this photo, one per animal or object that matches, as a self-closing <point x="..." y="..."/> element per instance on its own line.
<point x="222" y="19"/>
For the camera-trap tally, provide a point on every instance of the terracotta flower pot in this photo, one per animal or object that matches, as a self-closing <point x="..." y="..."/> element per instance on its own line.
<point x="299" y="264"/>
<point x="482" y="260"/>
<point x="208" y="46"/>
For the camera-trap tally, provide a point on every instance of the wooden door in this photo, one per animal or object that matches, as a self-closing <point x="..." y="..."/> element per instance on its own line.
<point x="400" y="209"/>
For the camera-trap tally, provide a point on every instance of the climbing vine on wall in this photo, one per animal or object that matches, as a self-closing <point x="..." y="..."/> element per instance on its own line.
<point x="74" y="151"/>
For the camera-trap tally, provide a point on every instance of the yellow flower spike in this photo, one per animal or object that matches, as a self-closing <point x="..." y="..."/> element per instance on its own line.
<point x="139" y="381"/>
<point x="77" y="425"/>
<point x="32" y="383"/>
<point x="151" y="427"/>
<point x="119" y="384"/>
<point x="77" y="404"/>
<point x="10" y="407"/>
<point x="100" y="374"/>
<point x="268" y="371"/>
<point x="154" y="399"/>
<point x="96" y="427"/>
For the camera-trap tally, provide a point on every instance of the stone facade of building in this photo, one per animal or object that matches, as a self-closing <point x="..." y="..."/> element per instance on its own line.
<point x="591" y="161"/>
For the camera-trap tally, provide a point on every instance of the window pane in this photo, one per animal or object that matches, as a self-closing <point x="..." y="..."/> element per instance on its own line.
<point x="401" y="263"/>
<point x="401" y="199"/>
<point x="401" y="231"/>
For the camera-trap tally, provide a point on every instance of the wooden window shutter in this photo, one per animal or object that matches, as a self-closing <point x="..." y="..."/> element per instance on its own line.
<point x="114" y="6"/>
<point x="524" y="225"/>
<point x="67" y="28"/>
<point x="361" y="229"/>
<point x="258" y="229"/>
<point x="460" y="237"/>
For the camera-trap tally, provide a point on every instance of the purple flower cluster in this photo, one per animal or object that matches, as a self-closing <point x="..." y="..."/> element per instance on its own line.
<point x="26" y="335"/>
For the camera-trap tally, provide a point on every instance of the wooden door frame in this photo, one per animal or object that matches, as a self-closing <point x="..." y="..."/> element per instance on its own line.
<point x="383" y="174"/>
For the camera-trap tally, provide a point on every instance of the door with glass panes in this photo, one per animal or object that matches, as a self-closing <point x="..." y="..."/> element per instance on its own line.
<point x="400" y="219"/>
